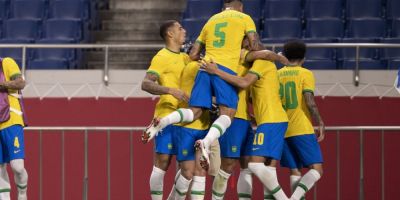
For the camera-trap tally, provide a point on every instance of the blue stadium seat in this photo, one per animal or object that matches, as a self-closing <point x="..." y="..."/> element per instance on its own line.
<point x="253" y="8"/>
<point x="66" y="9"/>
<point x="394" y="64"/>
<point x="364" y="64"/>
<point x="366" y="28"/>
<point x="390" y="54"/>
<point x="363" y="9"/>
<point x="63" y="29"/>
<point x="4" y="10"/>
<point x="15" y="53"/>
<point x="350" y="53"/>
<point x="320" y="53"/>
<point x="47" y="64"/>
<point x="320" y="64"/>
<point x="396" y="28"/>
<point x="282" y="28"/>
<point x="28" y="9"/>
<point x="329" y="28"/>
<point x="193" y="27"/>
<point x="23" y="30"/>
<point x="323" y="9"/>
<point x="393" y="9"/>
<point x="282" y="9"/>
<point x="202" y="8"/>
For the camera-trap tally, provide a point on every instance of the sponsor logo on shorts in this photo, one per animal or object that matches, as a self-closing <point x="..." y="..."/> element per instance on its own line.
<point x="234" y="149"/>
<point x="17" y="151"/>
<point x="185" y="152"/>
<point x="169" y="146"/>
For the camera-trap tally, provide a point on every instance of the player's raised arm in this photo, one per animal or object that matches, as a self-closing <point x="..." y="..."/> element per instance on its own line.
<point x="266" y="55"/>
<point x="313" y="108"/>
<point x="240" y="82"/>
<point x="150" y="85"/>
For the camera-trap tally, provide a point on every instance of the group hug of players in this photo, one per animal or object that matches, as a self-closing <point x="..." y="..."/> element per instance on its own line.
<point x="240" y="77"/>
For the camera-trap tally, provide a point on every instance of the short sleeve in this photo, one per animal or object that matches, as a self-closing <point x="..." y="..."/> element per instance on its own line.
<point x="258" y="68"/>
<point x="308" y="82"/>
<point x="250" y="26"/>
<point x="186" y="58"/>
<point x="157" y="66"/>
<point x="202" y="37"/>
<point x="10" y="68"/>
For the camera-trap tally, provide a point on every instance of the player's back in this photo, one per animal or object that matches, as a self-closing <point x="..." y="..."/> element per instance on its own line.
<point x="186" y="85"/>
<point x="222" y="36"/>
<point x="294" y="81"/>
<point x="265" y="94"/>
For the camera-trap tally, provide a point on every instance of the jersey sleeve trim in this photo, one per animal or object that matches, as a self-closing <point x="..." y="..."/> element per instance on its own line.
<point x="308" y="90"/>
<point x="14" y="76"/>
<point x="200" y="42"/>
<point x="255" y="73"/>
<point x="153" y="72"/>
<point x="251" y="31"/>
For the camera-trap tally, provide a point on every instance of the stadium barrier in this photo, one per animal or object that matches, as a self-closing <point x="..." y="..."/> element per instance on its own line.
<point x="107" y="47"/>
<point x="335" y="131"/>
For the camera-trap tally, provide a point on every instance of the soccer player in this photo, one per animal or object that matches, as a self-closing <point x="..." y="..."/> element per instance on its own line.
<point x="235" y="142"/>
<point x="221" y="37"/>
<point x="184" y="137"/>
<point x="163" y="78"/>
<point x="12" y="122"/>
<point x="301" y="144"/>
<point x="271" y="118"/>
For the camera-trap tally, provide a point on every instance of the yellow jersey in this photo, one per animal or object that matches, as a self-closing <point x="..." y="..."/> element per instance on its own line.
<point x="243" y="94"/>
<point x="222" y="36"/>
<point x="187" y="82"/>
<point x="11" y="69"/>
<point x="168" y="66"/>
<point x="267" y="104"/>
<point x="294" y="81"/>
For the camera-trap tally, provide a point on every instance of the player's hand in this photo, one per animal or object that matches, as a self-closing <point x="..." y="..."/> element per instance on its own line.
<point x="282" y="59"/>
<point x="321" y="132"/>
<point x="179" y="94"/>
<point x="210" y="67"/>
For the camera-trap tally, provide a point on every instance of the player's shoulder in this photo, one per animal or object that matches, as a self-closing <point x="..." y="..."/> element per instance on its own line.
<point x="305" y="71"/>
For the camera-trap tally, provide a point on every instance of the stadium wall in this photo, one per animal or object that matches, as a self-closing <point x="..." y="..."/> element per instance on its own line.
<point x="336" y="111"/>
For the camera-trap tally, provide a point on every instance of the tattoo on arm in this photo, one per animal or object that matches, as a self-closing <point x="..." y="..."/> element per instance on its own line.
<point x="16" y="83"/>
<point x="312" y="106"/>
<point x="149" y="85"/>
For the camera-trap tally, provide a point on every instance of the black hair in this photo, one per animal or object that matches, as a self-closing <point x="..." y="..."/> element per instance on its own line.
<point x="294" y="50"/>
<point x="165" y="26"/>
<point x="230" y="1"/>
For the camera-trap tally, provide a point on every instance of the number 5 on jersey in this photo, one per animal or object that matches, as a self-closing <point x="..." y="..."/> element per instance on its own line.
<point x="220" y="35"/>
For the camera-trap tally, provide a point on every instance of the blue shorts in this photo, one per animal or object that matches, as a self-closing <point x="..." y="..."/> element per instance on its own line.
<point x="206" y="86"/>
<point x="268" y="140"/>
<point x="184" y="139"/>
<point x="12" y="144"/>
<point x="233" y="141"/>
<point x="164" y="143"/>
<point x="301" y="151"/>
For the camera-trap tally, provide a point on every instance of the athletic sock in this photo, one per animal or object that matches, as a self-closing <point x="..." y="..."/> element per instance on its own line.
<point x="180" y="115"/>
<point x="294" y="181"/>
<point x="198" y="188"/>
<point x="219" y="185"/>
<point x="20" y="177"/>
<point x="267" y="175"/>
<point x="5" y="187"/>
<point x="306" y="183"/>
<point x="172" y="193"/>
<point x="217" y="129"/>
<point x="181" y="187"/>
<point x="245" y="184"/>
<point x="157" y="183"/>
<point x="268" y="195"/>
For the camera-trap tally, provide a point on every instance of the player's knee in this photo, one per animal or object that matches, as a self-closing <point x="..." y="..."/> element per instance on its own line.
<point x="196" y="112"/>
<point x="188" y="174"/>
<point x="162" y="162"/>
<point x="228" y="165"/>
<point x="17" y="166"/>
<point x="318" y="167"/>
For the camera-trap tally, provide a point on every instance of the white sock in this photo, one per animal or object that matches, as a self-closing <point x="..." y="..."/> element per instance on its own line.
<point x="198" y="188"/>
<point x="217" y="129"/>
<point x="219" y="185"/>
<point x="20" y="177"/>
<point x="294" y="181"/>
<point x="173" y="193"/>
<point x="180" y="115"/>
<point x="306" y="183"/>
<point x="267" y="194"/>
<point x="4" y="183"/>
<point x="181" y="187"/>
<point x="245" y="184"/>
<point x="267" y="176"/>
<point x="157" y="183"/>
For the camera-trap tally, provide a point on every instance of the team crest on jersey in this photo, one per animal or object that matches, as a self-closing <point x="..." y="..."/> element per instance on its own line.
<point x="234" y="149"/>
<point x="169" y="146"/>
<point x="185" y="152"/>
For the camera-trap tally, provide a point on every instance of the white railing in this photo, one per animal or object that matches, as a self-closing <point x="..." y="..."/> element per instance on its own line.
<point x="107" y="47"/>
<point x="335" y="131"/>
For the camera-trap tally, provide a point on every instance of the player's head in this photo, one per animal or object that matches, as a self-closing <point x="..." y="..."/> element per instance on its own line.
<point x="295" y="50"/>
<point x="246" y="44"/>
<point x="234" y="4"/>
<point x="172" y="30"/>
